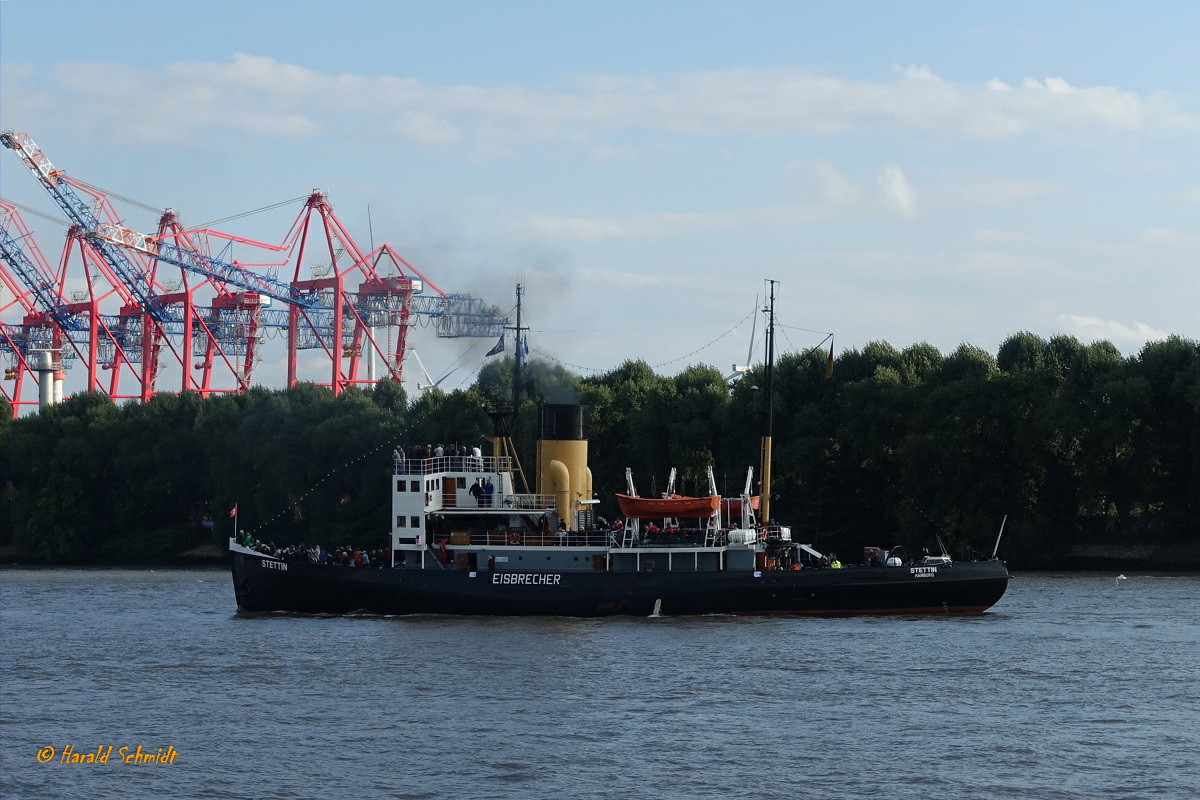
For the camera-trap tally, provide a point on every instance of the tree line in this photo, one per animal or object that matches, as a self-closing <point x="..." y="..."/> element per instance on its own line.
<point x="1073" y="442"/>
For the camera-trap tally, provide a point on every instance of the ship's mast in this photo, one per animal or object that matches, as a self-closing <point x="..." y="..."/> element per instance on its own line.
<point x="503" y="420"/>
<point x="516" y="387"/>
<point x="768" y="412"/>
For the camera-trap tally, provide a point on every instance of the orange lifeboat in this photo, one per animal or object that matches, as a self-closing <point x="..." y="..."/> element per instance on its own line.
<point x="673" y="506"/>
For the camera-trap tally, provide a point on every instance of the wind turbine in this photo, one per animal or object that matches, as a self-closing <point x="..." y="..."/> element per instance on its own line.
<point x="741" y="369"/>
<point x="430" y="382"/>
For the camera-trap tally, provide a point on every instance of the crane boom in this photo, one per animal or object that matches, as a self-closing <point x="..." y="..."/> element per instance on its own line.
<point x="196" y="262"/>
<point x="460" y="315"/>
<point x="58" y="185"/>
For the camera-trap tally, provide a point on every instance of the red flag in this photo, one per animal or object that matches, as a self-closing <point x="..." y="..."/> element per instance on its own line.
<point x="233" y="511"/>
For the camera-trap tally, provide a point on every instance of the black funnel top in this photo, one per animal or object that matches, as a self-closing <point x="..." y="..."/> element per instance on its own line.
<point x="563" y="422"/>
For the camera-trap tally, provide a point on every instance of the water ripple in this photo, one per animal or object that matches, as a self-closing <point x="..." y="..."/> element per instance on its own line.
<point x="1072" y="688"/>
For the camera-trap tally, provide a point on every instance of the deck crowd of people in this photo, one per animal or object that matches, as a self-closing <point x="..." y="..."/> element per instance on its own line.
<point x="344" y="556"/>
<point x="418" y="458"/>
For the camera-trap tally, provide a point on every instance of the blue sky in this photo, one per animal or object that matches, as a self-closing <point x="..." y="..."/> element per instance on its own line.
<point x="916" y="172"/>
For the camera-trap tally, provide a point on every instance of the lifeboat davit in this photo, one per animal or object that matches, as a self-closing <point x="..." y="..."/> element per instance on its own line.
<point x="733" y="505"/>
<point x="675" y="505"/>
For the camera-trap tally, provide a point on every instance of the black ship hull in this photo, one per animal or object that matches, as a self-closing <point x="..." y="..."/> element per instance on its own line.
<point x="263" y="584"/>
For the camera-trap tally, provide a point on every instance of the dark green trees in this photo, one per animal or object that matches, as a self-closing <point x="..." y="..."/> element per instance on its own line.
<point x="1071" y="441"/>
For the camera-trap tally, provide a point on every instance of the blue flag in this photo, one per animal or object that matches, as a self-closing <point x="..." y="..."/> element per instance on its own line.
<point x="498" y="348"/>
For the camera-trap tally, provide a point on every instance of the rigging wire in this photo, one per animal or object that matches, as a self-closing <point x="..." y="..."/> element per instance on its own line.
<point x="791" y="344"/>
<point x="295" y="504"/>
<point x="41" y="214"/>
<point x="565" y="363"/>
<point x="812" y="349"/>
<point x="253" y="211"/>
<point x="159" y="209"/>
<point x="710" y="344"/>
<point x="121" y="197"/>
<point x="806" y="330"/>
<point x="146" y="207"/>
<point x="653" y="366"/>
<point x="455" y="365"/>
<point x="627" y="328"/>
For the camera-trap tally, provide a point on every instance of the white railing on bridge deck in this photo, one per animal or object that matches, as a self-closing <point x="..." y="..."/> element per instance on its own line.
<point x="427" y="466"/>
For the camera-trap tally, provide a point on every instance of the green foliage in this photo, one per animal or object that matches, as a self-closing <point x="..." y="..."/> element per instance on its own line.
<point x="899" y="447"/>
<point x="967" y="361"/>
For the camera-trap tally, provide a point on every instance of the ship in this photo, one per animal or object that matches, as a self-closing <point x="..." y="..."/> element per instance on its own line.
<point x="516" y="550"/>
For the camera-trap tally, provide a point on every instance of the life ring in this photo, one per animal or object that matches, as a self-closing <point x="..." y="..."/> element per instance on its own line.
<point x="514" y="537"/>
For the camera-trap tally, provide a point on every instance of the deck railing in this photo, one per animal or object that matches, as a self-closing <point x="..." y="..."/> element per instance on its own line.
<point x="508" y="538"/>
<point x="428" y="466"/>
<point x="520" y="502"/>
<point x="539" y="502"/>
<point x="589" y="538"/>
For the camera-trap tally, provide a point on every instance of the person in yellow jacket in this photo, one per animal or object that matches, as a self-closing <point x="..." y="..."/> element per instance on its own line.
<point x="833" y="561"/>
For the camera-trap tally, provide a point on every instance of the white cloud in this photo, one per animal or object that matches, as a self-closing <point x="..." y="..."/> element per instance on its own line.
<point x="920" y="73"/>
<point x="836" y="197"/>
<point x="665" y="223"/>
<point x="620" y="280"/>
<point x="999" y="236"/>
<point x="270" y="98"/>
<point x="994" y="264"/>
<point x="427" y="129"/>
<point x="1168" y="237"/>
<point x="588" y="230"/>
<point x="892" y="193"/>
<point x="835" y="187"/>
<point x="998" y="191"/>
<point x="897" y="193"/>
<point x="1126" y="336"/>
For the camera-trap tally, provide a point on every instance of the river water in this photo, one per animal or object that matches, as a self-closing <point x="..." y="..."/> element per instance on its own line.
<point x="1074" y="686"/>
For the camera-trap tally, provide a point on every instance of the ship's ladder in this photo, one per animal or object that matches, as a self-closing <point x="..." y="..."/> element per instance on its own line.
<point x="712" y="526"/>
<point x="633" y="532"/>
